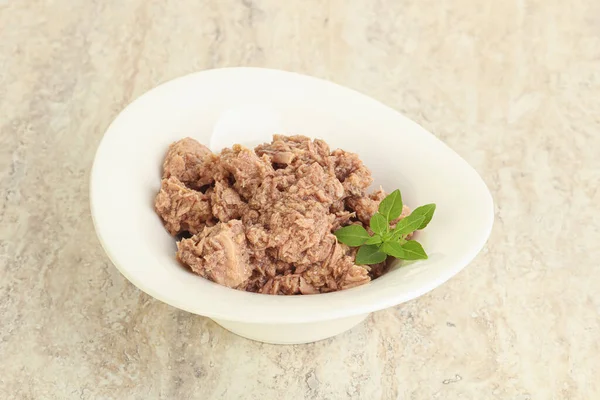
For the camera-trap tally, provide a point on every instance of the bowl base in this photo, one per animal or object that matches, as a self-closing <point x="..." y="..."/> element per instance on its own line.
<point x="292" y="333"/>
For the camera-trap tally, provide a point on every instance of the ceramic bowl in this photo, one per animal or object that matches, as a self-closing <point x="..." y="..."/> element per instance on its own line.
<point x="401" y="154"/>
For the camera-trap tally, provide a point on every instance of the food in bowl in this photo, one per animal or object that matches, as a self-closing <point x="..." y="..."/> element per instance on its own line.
<point x="289" y="217"/>
<point x="418" y="163"/>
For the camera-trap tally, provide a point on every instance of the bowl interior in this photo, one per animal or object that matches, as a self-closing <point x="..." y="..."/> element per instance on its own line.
<point x="400" y="153"/>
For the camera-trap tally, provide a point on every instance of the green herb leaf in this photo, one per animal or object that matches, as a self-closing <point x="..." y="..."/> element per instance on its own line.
<point x="370" y="254"/>
<point x="427" y="211"/>
<point x="391" y="206"/>
<point x="413" y="251"/>
<point x="393" y="249"/>
<point x="352" y="235"/>
<point x="386" y="241"/>
<point x="407" y="225"/>
<point x="379" y="224"/>
<point x="375" y="239"/>
<point x="387" y="236"/>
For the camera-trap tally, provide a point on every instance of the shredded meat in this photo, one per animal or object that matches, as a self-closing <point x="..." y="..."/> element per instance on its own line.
<point x="182" y="209"/>
<point x="350" y="170"/>
<point x="219" y="253"/>
<point x="295" y="150"/>
<point x="226" y="202"/>
<point x="295" y="228"/>
<point x="248" y="170"/>
<point x="190" y="162"/>
<point x="262" y="220"/>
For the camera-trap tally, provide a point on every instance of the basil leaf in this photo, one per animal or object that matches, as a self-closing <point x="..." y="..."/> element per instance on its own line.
<point x="352" y="235"/>
<point x="388" y="236"/>
<point x="407" y="225"/>
<point x="379" y="224"/>
<point x="375" y="239"/>
<point x="370" y="254"/>
<point x="393" y="249"/>
<point x="413" y="251"/>
<point x="427" y="211"/>
<point x="391" y="206"/>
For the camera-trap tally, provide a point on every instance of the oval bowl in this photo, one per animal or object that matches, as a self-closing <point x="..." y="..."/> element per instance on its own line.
<point x="401" y="154"/>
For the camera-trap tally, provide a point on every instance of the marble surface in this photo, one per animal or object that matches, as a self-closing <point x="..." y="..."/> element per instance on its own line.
<point x="512" y="86"/>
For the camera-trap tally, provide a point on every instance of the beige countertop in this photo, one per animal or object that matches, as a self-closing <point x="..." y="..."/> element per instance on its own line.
<point x="512" y="86"/>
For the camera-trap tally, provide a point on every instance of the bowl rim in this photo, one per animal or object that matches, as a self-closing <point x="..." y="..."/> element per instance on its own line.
<point x="293" y="302"/>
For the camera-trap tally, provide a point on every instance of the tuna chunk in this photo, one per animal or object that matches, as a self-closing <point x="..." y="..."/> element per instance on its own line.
<point x="312" y="182"/>
<point x="353" y="174"/>
<point x="219" y="253"/>
<point x="182" y="209"/>
<point x="226" y="202"/>
<point x="209" y="171"/>
<point x="265" y="220"/>
<point x="287" y="284"/>
<point x="341" y="219"/>
<point x="295" y="227"/>
<point x="279" y="152"/>
<point x="337" y="272"/>
<point x="272" y="189"/>
<point x="248" y="170"/>
<point x="295" y="150"/>
<point x="184" y="161"/>
<point x="363" y="206"/>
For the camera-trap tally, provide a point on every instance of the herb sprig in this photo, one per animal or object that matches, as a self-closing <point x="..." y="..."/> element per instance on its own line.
<point x="387" y="241"/>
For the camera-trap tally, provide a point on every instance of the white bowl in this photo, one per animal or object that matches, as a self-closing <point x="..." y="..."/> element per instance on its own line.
<point x="401" y="154"/>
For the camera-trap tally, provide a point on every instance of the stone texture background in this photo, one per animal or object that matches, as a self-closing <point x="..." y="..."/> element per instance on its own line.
<point x="512" y="86"/>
